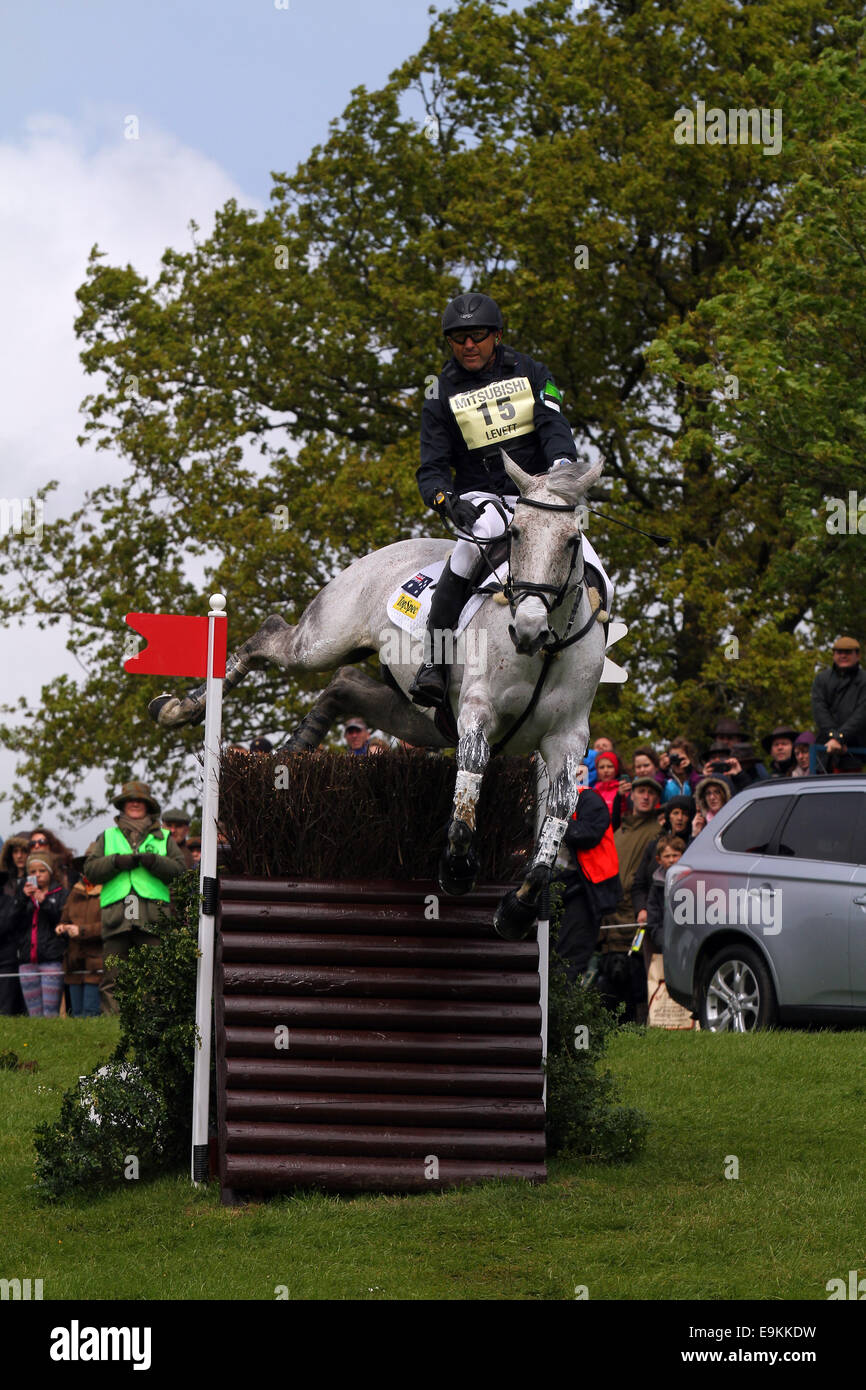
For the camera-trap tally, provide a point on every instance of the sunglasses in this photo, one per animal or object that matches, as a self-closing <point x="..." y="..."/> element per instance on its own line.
<point x="476" y="334"/>
<point x="39" y="844"/>
<point x="354" y="729"/>
<point x="847" y="651"/>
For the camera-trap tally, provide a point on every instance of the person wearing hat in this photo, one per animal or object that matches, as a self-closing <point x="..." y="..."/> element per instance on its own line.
<point x="488" y="396"/>
<point x="744" y="768"/>
<point x="177" y="825"/>
<point x="261" y="745"/>
<point x="357" y="735"/>
<point x="802" y="756"/>
<point x="711" y="794"/>
<point x="134" y="860"/>
<point x="13" y="871"/>
<point x="193" y="843"/>
<point x="81" y="924"/>
<point x="674" y="818"/>
<point x="38" y="905"/>
<point x="780" y="745"/>
<point x="729" y="731"/>
<point x="839" y="705"/>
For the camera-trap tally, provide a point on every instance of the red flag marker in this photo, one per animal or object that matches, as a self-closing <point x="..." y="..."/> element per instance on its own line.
<point x="176" y="646"/>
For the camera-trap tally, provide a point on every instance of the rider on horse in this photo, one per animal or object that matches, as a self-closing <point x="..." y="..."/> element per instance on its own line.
<point x="487" y="397"/>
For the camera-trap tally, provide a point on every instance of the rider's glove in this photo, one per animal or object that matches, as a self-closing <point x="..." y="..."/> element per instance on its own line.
<point x="460" y="512"/>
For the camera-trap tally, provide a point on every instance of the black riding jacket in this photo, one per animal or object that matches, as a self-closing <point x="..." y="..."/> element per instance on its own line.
<point x="512" y="403"/>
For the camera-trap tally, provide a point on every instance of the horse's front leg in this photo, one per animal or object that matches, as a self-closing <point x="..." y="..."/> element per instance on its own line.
<point x="458" y="867"/>
<point x="516" y="914"/>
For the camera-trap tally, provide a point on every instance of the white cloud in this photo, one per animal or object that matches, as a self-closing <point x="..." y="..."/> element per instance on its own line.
<point x="65" y="187"/>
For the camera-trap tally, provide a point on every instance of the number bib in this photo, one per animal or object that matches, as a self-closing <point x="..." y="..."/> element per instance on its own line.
<point x="495" y="413"/>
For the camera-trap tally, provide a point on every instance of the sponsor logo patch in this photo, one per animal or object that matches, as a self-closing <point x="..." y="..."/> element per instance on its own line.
<point x="404" y="604"/>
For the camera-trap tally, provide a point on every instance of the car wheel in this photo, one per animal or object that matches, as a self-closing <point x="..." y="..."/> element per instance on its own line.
<point x="737" y="994"/>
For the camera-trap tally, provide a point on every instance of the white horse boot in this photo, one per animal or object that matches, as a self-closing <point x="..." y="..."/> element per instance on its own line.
<point x="430" y="683"/>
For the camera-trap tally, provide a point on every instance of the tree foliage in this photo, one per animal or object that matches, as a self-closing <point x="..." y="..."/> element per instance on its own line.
<point x="262" y="395"/>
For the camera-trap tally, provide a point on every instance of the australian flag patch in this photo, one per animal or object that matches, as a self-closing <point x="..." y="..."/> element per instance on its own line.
<point x="416" y="585"/>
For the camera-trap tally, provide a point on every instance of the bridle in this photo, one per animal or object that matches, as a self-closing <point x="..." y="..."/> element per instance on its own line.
<point x="551" y="595"/>
<point x="516" y="590"/>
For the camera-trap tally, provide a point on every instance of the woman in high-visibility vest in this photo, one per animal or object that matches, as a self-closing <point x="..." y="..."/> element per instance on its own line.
<point x="135" y="860"/>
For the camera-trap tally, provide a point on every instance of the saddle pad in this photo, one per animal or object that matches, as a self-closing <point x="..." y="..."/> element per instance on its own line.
<point x="409" y="605"/>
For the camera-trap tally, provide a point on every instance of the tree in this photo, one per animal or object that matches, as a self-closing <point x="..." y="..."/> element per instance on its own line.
<point x="789" y="447"/>
<point x="274" y="373"/>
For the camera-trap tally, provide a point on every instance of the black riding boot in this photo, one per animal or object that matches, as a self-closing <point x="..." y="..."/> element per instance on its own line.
<point x="449" y="596"/>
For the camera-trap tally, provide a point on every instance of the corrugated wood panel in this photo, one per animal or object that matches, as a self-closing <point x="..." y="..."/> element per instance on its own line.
<point x="363" y="1044"/>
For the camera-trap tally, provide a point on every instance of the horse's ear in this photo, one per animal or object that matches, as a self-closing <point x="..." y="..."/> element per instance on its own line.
<point x="571" y="481"/>
<point x="516" y="474"/>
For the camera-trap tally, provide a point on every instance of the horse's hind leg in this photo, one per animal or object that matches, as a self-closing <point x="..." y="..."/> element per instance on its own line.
<point x="272" y="642"/>
<point x="357" y="692"/>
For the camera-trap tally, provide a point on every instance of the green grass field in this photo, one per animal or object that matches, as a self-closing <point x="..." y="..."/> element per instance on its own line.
<point x="788" y="1106"/>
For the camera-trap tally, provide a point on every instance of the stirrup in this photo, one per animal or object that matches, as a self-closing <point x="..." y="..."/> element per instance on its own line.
<point x="429" y="694"/>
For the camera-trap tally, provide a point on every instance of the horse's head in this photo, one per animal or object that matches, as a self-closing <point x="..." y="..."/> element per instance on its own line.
<point x="546" y="556"/>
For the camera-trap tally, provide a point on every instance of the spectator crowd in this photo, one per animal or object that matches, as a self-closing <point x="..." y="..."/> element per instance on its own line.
<point x="62" y="914"/>
<point x="633" y="823"/>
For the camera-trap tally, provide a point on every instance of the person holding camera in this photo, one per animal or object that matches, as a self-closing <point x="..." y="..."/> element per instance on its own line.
<point x="40" y="950"/>
<point x="682" y="773"/>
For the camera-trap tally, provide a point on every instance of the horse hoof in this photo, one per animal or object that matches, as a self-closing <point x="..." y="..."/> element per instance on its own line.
<point x="460" y="838"/>
<point x="170" y="712"/>
<point x="156" y="706"/>
<point x="457" y="874"/>
<point x="513" y="919"/>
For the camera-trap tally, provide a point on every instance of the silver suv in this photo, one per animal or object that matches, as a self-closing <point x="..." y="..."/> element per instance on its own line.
<point x="765" y="914"/>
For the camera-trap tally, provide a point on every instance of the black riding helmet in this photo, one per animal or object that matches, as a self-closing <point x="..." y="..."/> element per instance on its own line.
<point x="471" y="311"/>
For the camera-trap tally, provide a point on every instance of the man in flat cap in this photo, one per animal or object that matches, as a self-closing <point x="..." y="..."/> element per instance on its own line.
<point x="839" y="706"/>
<point x="177" y="825"/>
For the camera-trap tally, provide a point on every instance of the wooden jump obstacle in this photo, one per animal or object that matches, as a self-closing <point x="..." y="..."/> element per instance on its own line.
<point x="365" y="1044"/>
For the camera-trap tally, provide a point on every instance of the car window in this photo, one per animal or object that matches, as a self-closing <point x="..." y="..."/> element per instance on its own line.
<point x="752" y="831"/>
<point x="822" y="827"/>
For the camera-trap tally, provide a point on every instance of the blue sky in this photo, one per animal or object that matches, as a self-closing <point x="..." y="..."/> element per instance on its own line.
<point x="224" y="92"/>
<point x="250" y="86"/>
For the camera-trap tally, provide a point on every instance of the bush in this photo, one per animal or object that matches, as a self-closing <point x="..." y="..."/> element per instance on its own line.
<point x="584" y="1117"/>
<point x="140" y="1104"/>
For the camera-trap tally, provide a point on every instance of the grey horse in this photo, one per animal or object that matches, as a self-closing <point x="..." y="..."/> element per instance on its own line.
<point x="553" y="619"/>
